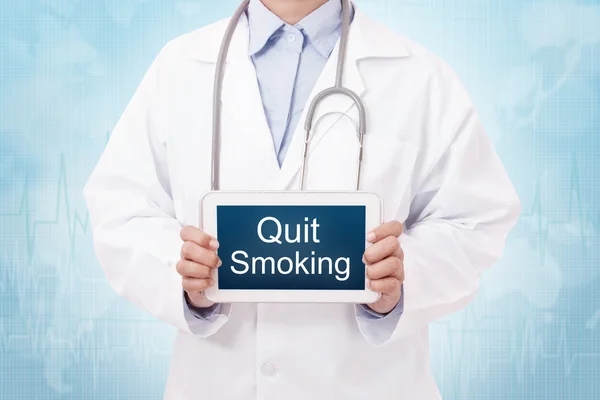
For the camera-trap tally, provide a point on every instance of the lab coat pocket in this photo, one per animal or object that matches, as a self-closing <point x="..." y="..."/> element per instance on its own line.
<point x="388" y="167"/>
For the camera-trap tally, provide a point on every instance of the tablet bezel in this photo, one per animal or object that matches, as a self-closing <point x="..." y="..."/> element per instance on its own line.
<point x="208" y="222"/>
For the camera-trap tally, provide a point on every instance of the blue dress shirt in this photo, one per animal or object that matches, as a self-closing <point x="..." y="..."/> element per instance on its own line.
<point x="288" y="61"/>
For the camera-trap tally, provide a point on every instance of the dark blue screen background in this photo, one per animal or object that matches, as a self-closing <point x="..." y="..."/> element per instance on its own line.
<point x="341" y="233"/>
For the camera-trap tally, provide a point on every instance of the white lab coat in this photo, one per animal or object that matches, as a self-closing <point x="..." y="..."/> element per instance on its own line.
<point x="426" y="155"/>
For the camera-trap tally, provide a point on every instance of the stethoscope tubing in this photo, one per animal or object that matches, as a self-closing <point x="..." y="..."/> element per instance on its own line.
<point x="336" y="89"/>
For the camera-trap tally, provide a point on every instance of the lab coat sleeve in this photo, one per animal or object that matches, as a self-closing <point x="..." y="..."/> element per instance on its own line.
<point x="376" y="327"/>
<point x="460" y="215"/>
<point x="206" y="313"/>
<point x="131" y="211"/>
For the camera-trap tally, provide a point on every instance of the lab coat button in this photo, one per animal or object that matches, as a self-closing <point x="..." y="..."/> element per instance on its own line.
<point x="291" y="38"/>
<point x="269" y="369"/>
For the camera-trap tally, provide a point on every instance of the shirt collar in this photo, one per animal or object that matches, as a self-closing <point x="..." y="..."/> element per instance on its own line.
<point x="322" y="26"/>
<point x="262" y="24"/>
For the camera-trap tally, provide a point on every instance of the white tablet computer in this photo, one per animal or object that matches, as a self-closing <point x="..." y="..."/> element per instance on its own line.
<point x="291" y="246"/>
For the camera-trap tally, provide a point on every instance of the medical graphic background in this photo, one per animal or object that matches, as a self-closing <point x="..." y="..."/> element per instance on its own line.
<point x="68" y="69"/>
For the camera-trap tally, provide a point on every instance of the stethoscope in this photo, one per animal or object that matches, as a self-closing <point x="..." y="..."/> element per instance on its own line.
<point x="336" y="89"/>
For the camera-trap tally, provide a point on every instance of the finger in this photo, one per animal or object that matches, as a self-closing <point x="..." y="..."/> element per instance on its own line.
<point x="392" y="228"/>
<point x="384" y="268"/>
<point x="192" y="234"/>
<point x="399" y="253"/>
<point x="400" y="274"/>
<point x="382" y="249"/>
<point x="193" y="252"/>
<point x="385" y="285"/>
<point x="196" y="285"/>
<point x="192" y="269"/>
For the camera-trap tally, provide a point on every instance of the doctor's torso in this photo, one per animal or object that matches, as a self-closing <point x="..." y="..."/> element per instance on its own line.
<point x="298" y="350"/>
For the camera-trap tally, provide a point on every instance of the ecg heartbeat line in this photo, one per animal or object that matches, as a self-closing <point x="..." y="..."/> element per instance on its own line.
<point x="94" y="342"/>
<point x="132" y="335"/>
<point x="469" y="343"/>
<point x="74" y="220"/>
<point x="589" y="221"/>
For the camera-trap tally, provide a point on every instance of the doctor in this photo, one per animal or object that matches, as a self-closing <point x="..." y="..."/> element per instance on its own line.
<point x="425" y="154"/>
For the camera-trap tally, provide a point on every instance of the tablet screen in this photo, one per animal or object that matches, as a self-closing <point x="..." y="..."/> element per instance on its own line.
<point x="291" y="247"/>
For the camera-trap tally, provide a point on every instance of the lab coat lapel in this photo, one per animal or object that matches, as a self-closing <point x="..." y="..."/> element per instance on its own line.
<point x="242" y="101"/>
<point x="368" y="42"/>
<point x="335" y="106"/>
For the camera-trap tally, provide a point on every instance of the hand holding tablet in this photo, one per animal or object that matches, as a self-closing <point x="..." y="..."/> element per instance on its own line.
<point x="198" y="259"/>
<point x="385" y="265"/>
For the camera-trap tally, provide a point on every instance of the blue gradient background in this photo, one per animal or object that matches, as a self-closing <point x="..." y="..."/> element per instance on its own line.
<point x="67" y="70"/>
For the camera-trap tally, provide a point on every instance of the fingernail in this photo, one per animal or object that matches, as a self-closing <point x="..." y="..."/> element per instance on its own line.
<point x="369" y="283"/>
<point x="214" y="244"/>
<point x="211" y="282"/>
<point x="364" y="261"/>
<point x="370" y="236"/>
<point x="219" y="263"/>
